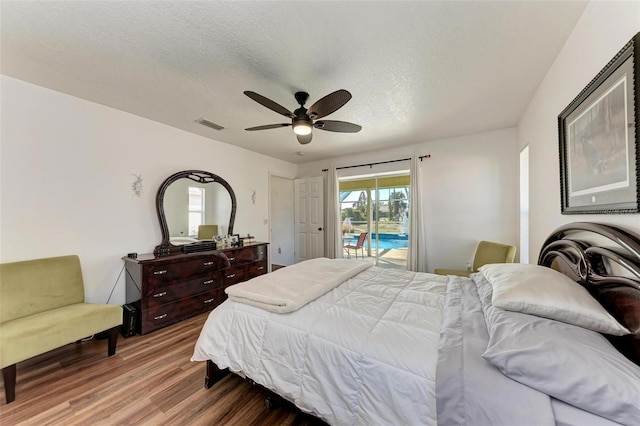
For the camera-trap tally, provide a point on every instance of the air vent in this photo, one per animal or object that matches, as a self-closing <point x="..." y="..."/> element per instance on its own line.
<point x="210" y="124"/>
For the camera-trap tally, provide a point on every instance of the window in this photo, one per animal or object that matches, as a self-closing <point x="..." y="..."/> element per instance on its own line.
<point x="378" y="205"/>
<point x="196" y="209"/>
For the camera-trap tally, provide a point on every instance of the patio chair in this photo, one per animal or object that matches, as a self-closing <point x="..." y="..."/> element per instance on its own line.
<point x="358" y="245"/>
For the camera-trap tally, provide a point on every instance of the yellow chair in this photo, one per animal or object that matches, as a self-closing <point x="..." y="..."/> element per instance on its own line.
<point x="486" y="252"/>
<point x="207" y="232"/>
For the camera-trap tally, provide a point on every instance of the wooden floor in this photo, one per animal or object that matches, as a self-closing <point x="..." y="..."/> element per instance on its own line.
<point x="149" y="381"/>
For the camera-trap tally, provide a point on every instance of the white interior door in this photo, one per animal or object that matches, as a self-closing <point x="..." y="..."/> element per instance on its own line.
<point x="309" y="213"/>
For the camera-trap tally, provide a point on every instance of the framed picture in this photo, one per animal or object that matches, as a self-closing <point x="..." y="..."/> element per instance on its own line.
<point x="599" y="145"/>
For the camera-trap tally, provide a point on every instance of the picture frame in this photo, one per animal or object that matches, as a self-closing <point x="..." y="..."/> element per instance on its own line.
<point x="599" y="140"/>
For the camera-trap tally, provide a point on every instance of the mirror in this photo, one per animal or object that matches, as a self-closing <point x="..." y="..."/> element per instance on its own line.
<point x="188" y="199"/>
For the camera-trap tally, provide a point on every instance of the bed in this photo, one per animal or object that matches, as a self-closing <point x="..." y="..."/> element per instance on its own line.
<point x="514" y="344"/>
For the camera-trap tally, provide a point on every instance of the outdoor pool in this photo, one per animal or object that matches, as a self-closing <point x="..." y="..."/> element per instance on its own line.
<point x="385" y="241"/>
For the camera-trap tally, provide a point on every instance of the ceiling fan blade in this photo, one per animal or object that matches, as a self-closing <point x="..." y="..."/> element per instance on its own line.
<point x="269" y="104"/>
<point x="330" y="103"/>
<point x="269" y="126"/>
<point x="337" y="126"/>
<point x="304" y="139"/>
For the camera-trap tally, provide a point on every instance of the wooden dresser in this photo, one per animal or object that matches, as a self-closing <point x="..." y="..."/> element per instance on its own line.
<point x="168" y="289"/>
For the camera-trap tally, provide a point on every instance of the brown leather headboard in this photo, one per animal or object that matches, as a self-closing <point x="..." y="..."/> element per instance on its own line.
<point x="605" y="259"/>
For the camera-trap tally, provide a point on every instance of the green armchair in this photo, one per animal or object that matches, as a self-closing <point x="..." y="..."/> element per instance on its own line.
<point x="42" y="307"/>
<point x="486" y="252"/>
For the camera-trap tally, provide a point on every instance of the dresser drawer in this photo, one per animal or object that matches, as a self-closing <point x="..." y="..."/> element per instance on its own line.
<point x="244" y="272"/>
<point x="246" y="254"/>
<point x="169" y="292"/>
<point x="236" y="275"/>
<point x="162" y="273"/>
<point x="169" y="313"/>
<point x="258" y="268"/>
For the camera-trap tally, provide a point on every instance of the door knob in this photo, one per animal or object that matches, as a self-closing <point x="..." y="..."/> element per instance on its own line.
<point x="319" y="229"/>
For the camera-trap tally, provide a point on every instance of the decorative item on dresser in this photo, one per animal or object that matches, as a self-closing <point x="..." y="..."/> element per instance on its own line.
<point x="168" y="289"/>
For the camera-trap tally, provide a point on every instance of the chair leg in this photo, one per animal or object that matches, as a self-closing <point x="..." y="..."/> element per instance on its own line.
<point x="9" y="377"/>
<point x="113" y="340"/>
<point x="9" y="373"/>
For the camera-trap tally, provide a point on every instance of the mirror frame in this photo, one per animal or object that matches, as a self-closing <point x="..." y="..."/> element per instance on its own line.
<point x="165" y="248"/>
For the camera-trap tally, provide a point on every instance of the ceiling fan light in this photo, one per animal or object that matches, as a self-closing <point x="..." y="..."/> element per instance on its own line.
<point x="302" y="127"/>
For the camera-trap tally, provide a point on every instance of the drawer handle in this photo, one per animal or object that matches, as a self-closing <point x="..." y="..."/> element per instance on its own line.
<point x="160" y="294"/>
<point x="260" y="268"/>
<point x="209" y="300"/>
<point x="159" y="317"/>
<point x="207" y="282"/>
<point x="208" y="263"/>
<point x="231" y="259"/>
<point x="231" y="276"/>
<point x="164" y="271"/>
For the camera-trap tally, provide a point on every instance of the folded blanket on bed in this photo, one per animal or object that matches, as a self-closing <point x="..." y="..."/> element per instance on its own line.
<point x="290" y="288"/>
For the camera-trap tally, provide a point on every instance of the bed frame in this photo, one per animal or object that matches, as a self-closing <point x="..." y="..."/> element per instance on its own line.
<point x="605" y="259"/>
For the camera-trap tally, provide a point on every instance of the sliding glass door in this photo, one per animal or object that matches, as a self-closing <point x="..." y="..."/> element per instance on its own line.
<point x="378" y="206"/>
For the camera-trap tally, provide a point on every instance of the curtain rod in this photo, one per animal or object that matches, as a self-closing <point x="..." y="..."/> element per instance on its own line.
<point x="379" y="162"/>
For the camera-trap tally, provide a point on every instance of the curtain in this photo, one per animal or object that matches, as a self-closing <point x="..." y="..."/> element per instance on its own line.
<point x="417" y="258"/>
<point x="333" y="235"/>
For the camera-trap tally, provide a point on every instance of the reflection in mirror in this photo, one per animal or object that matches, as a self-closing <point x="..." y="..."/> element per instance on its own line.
<point x="188" y="205"/>
<point x="193" y="207"/>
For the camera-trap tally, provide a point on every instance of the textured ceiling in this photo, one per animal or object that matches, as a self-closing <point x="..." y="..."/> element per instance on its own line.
<point x="418" y="71"/>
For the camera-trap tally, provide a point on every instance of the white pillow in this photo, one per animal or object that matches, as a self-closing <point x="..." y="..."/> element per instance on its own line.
<point x="572" y="364"/>
<point x="544" y="292"/>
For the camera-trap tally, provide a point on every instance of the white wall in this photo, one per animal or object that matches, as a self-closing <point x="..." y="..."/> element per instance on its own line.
<point x="282" y="220"/>
<point x="603" y="29"/>
<point x="67" y="167"/>
<point x="470" y="191"/>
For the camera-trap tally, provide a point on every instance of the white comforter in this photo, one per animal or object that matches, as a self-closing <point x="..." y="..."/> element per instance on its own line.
<point x="363" y="353"/>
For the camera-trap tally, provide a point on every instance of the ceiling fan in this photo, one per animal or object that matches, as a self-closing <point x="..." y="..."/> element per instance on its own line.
<point x="303" y="119"/>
